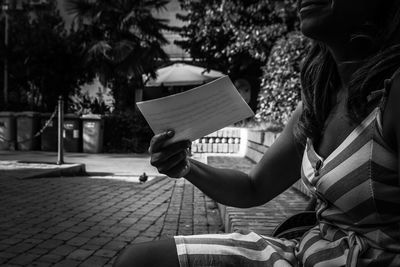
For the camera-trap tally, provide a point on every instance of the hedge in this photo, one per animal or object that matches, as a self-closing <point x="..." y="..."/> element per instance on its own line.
<point x="126" y="132"/>
<point x="280" y="83"/>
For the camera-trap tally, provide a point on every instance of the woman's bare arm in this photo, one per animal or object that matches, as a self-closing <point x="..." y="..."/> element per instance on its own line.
<point x="278" y="169"/>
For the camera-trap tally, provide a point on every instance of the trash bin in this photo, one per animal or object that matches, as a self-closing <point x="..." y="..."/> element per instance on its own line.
<point x="7" y="131"/>
<point x="72" y="133"/>
<point x="93" y="130"/>
<point x="28" y="124"/>
<point x="49" y="137"/>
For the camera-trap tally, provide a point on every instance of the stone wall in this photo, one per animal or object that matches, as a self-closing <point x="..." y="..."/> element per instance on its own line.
<point x="257" y="144"/>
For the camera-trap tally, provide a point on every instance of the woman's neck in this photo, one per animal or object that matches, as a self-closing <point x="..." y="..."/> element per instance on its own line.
<point x="349" y="59"/>
<point x="346" y="69"/>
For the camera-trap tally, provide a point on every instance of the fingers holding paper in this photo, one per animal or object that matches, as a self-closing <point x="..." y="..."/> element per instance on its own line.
<point x="171" y="160"/>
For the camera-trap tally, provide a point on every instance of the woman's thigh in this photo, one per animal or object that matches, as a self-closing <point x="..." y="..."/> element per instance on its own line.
<point x="148" y="254"/>
<point x="242" y="248"/>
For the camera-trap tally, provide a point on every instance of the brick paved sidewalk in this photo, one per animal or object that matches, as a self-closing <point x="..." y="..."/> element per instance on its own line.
<point x="86" y="222"/>
<point x="82" y="221"/>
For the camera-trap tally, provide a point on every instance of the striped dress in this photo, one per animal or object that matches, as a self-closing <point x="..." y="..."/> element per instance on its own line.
<point x="358" y="211"/>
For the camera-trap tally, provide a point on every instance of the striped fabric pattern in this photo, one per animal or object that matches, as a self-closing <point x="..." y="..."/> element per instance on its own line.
<point x="358" y="192"/>
<point x="242" y="248"/>
<point x="358" y="210"/>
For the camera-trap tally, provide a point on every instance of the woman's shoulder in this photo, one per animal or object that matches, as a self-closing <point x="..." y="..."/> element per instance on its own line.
<point x="394" y="95"/>
<point x="396" y="80"/>
<point x="391" y="121"/>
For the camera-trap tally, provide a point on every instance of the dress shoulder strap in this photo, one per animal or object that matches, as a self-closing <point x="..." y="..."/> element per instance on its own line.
<point x="386" y="90"/>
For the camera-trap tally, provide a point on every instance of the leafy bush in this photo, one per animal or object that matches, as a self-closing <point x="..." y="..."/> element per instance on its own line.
<point x="82" y="103"/>
<point x="220" y="31"/>
<point x="252" y="124"/>
<point x="126" y="132"/>
<point x="280" y="84"/>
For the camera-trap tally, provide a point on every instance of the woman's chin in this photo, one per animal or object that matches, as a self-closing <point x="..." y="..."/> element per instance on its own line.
<point x="317" y="29"/>
<point x="311" y="30"/>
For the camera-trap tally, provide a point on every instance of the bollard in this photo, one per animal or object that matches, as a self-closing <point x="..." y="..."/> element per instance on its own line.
<point x="60" y="158"/>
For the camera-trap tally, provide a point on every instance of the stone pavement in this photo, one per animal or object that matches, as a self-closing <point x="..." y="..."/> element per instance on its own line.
<point x="86" y="221"/>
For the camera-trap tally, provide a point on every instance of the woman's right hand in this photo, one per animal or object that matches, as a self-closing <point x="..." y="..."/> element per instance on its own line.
<point x="171" y="160"/>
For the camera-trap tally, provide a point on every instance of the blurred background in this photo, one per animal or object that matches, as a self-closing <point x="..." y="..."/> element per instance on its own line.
<point x="104" y="56"/>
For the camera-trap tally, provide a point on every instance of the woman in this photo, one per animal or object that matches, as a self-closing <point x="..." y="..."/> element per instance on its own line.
<point x="344" y="140"/>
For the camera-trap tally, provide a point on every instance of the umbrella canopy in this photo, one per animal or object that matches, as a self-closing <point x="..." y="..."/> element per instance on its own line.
<point x="180" y="74"/>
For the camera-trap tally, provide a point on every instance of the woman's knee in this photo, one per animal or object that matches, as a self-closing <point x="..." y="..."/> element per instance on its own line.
<point x="154" y="253"/>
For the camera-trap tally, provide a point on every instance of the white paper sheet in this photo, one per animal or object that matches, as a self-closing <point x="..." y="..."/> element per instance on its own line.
<point x="197" y="112"/>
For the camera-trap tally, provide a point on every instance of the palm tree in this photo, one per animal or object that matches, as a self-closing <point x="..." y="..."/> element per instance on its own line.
<point x="123" y="41"/>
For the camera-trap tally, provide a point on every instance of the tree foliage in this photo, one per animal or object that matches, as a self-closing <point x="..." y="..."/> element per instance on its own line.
<point x="236" y="36"/>
<point x="221" y="31"/>
<point x="126" y="132"/>
<point x="44" y="60"/>
<point x="123" y="41"/>
<point x="280" y="85"/>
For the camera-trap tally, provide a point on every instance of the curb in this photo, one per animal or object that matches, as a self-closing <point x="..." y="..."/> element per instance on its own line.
<point x="29" y="170"/>
<point x="61" y="171"/>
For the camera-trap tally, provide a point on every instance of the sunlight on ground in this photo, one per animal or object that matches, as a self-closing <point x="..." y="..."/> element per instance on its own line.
<point x="15" y="164"/>
<point x="132" y="179"/>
